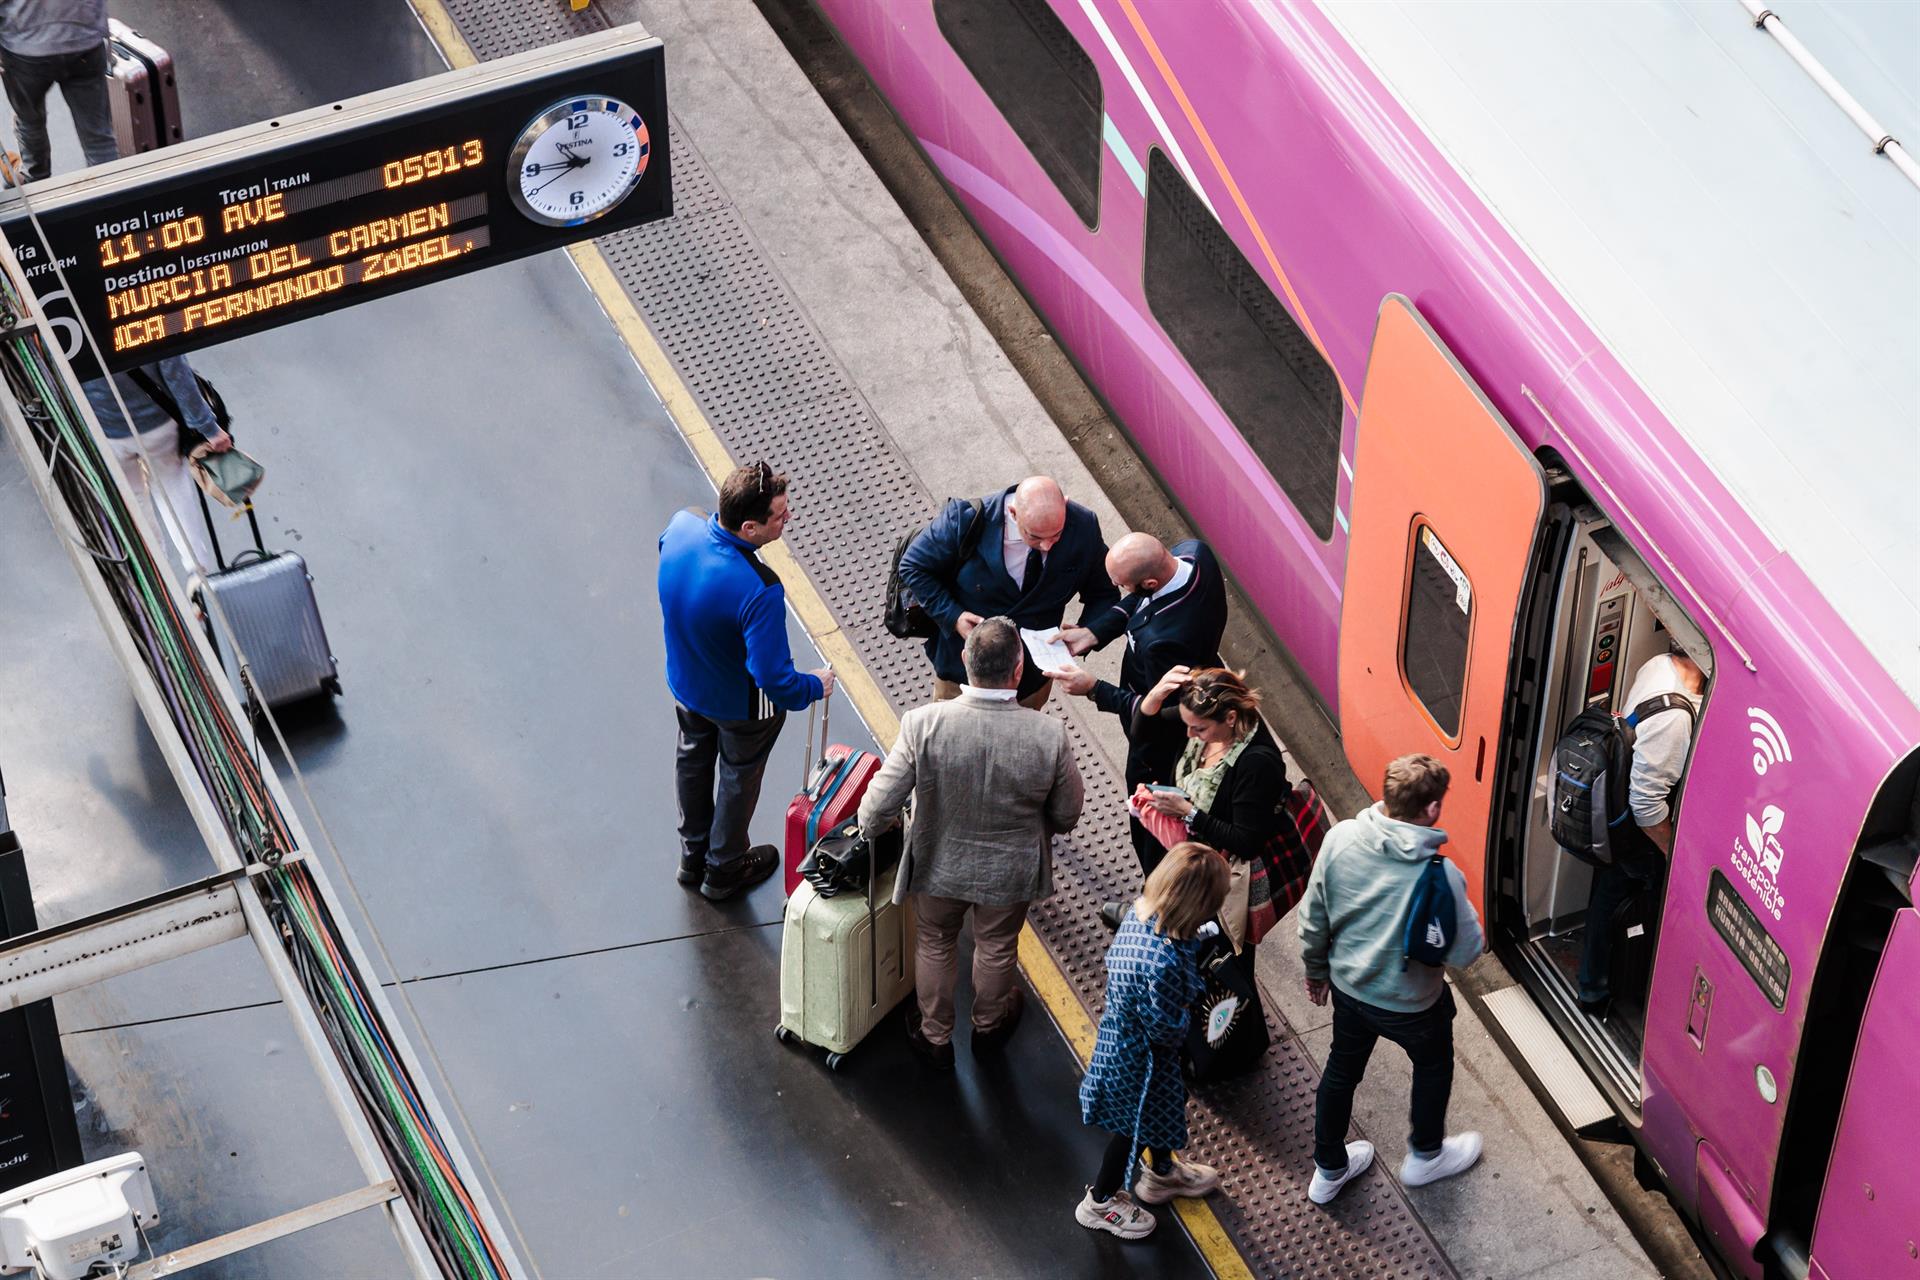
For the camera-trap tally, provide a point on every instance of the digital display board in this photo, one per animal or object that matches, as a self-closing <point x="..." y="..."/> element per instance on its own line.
<point x="198" y="243"/>
<point x="1749" y="940"/>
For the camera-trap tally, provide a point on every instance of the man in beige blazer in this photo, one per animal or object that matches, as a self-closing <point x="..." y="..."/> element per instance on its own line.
<point x="992" y="783"/>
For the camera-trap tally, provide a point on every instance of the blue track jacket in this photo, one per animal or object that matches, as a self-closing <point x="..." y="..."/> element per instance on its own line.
<point x="947" y="585"/>
<point x="725" y="615"/>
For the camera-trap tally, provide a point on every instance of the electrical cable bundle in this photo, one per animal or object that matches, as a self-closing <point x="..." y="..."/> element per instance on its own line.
<point x="229" y="768"/>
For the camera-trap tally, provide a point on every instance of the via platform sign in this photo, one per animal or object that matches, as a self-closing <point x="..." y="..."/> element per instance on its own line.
<point x="219" y="237"/>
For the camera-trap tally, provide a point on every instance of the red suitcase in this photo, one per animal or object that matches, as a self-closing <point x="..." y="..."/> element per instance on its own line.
<point x="834" y="786"/>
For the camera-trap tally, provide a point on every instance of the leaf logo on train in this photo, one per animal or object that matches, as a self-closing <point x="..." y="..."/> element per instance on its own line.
<point x="1758" y="857"/>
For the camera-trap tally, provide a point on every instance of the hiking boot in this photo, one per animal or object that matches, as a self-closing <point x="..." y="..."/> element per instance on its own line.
<point x="937" y="1056"/>
<point x="1120" y="1216"/>
<point x="693" y="869"/>
<point x="741" y="874"/>
<point x="1180" y="1179"/>
<point x="1325" y="1186"/>
<point x="993" y="1039"/>
<point x="1457" y="1155"/>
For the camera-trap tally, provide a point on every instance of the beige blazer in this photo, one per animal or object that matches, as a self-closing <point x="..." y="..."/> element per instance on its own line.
<point x="991" y="783"/>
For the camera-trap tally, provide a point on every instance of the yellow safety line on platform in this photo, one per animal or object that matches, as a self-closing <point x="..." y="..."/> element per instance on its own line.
<point x="1042" y="971"/>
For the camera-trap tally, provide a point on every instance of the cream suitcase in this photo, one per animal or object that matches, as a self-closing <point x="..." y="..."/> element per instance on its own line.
<point x="845" y="962"/>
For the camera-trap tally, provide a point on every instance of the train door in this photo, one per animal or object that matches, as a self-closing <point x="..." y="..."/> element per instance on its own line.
<point x="1447" y="503"/>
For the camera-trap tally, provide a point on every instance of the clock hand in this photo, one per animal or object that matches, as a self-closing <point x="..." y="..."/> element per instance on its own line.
<point x="564" y="171"/>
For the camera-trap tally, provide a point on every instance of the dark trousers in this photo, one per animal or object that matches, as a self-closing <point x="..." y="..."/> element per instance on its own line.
<point x="1637" y="868"/>
<point x="717" y="770"/>
<point x="82" y="78"/>
<point x="1117" y="1163"/>
<point x="1427" y="1037"/>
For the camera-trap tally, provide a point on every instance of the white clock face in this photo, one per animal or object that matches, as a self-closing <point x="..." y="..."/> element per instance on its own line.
<point x="577" y="160"/>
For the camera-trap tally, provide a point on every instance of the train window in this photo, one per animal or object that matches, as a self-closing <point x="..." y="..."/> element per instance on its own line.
<point x="1042" y="81"/>
<point x="1433" y="656"/>
<point x="1267" y="377"/>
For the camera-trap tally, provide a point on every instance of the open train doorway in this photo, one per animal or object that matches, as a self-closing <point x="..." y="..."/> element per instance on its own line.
<point x="1596" y="617"/>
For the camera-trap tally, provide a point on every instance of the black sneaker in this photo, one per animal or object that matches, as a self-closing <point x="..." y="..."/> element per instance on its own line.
<point x="937" y="1056"/>
<point x="994" y="1038"/>
<point x="741" y="874"/>
<point x="1111" y="914"/>
<point x="1596" y="1006"/>
<point x="693" y="868"/>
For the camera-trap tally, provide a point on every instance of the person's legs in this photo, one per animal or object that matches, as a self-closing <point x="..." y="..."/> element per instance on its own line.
<point x="28" y="80"/>
<point x="695" y="751"/>
<point x="936" y="963"/>
<point x="1427" y="1037"/>
<point x="944" y="690"/>
<point x="1353" y="1041"/>
<point x="1113" y="1167"/>
<point x="83" y="83"/>
<point x="1037" y="700"/>
<point x="1612" y="885"/>
<point x="174" y="478"/>
<point x="996" y="946"/>
<point x="744" y="748"/>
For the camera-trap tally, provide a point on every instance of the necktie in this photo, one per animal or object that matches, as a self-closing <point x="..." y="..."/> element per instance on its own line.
<point x="1036" y="562"/>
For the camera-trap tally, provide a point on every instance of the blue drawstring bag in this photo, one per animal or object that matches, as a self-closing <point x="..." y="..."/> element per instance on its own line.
<point x="1430" y="916"/>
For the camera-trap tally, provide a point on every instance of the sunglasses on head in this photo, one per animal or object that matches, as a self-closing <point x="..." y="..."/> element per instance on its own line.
<point x="762" y="479"/>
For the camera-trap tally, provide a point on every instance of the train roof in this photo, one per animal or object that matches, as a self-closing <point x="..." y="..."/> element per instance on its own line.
<point x="1728" y="233"/>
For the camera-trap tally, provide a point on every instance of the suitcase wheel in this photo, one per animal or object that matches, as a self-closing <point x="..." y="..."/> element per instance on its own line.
<point x="783" y="1035"/>
<point x="834" y="1060"/>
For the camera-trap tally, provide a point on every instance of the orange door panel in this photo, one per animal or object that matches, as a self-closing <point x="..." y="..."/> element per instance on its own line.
<point x="1446" y="503"/>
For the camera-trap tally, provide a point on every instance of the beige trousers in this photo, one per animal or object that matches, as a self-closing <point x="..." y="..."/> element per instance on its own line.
<point x="936" y="961"/>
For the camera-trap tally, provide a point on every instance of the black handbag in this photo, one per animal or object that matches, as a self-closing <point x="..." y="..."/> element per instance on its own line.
<point x="1227" y="1033"/>
<point x="904" y="616"/>
<point x="843" y="860"/>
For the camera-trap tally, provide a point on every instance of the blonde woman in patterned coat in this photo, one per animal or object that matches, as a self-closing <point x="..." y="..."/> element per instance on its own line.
<point x="1133" y="1088"/>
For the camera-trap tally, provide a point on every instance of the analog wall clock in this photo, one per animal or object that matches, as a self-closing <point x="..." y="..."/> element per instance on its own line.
<point x="577" y="160"/>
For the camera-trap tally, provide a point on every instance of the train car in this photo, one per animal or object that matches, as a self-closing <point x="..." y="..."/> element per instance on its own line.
<point x="1498" y="348"/>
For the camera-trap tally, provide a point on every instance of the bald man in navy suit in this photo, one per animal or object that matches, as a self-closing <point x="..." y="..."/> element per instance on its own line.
<point x="1175" y="599"/>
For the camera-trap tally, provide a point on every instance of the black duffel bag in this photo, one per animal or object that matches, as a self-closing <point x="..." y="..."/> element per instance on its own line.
<point x="843" y="860"/>
<point x="1227" y="1032"/>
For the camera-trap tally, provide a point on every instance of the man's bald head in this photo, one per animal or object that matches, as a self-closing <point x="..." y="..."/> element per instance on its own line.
<point x="1140" y="562"/>
<point x="1039" y="510"/>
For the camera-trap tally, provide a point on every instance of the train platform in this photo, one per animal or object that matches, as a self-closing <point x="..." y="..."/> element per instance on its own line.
<point x="496" y="781"/>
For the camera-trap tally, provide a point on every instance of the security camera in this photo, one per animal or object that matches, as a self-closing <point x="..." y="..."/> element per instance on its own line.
<point x="60" y="1227"/>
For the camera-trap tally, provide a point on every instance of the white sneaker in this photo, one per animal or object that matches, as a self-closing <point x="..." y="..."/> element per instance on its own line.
<point x="1457" y="1155"/>
<point x="1325" y="1186"/>
<point x="1181" y="1179"/>
<point x="1120" y="1215"/>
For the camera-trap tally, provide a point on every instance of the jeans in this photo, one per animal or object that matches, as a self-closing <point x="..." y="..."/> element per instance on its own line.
<point x="996" y="944"/>
<point x="717" y="770"/>
<point x="1637" y="868"/>
<point x="82" y="78"/>
<point x="1427" y="1036"/>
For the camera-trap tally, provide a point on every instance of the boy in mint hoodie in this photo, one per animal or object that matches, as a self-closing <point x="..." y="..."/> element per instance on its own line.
<point x="1353" y="923"/>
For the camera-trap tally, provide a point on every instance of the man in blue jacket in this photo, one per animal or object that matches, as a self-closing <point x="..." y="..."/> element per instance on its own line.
<point x="1027" y="553"/>
<point x="731" y="673"/>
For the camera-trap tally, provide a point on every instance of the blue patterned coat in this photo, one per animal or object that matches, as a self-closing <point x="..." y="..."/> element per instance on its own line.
<point x="1133" y="1085"/>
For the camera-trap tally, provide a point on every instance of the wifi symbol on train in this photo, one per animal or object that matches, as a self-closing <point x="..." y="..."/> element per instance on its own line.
<point x="1769" y="741"/>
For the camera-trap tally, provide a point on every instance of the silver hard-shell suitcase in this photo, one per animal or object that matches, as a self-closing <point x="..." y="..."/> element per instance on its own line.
<point x="267" y="599"/>
<point x="163" y="93"/>
<point x="136" y="124"/>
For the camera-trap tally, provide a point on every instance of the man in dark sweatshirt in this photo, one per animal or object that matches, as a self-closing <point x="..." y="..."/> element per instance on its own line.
<point x="1353" y="923"/>
<point x="731" y="673"/>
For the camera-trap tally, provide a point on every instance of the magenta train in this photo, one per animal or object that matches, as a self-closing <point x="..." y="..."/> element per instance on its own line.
<point x="1496" y="348"/>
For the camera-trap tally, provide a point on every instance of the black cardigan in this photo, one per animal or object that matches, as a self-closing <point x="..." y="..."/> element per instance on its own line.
<point x="1251" y="804"/>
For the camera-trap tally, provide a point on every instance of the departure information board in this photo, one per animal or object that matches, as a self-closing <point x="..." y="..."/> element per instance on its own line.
<point x="213" y="239"/>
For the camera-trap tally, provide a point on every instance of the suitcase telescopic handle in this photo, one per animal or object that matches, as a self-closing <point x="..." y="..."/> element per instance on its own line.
<point x="824" y="710"/>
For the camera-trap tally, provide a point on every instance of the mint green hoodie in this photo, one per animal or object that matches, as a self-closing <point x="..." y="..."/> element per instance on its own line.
<point x="1353" y="919"/>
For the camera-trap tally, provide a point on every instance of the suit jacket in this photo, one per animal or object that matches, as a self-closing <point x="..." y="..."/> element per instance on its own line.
<point x="992" y="783"/>
<point x="948" y="584"/>
<point x="1182" y="628"/>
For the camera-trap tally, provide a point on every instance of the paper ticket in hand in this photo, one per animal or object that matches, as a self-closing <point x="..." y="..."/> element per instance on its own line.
<point x="1047" y="653"/>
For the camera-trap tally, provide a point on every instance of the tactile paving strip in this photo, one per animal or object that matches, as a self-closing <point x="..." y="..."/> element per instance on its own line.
<point x="772" y="389"/>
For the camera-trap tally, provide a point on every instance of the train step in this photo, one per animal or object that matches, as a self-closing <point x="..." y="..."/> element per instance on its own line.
<point x="1565" y="1081"/>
